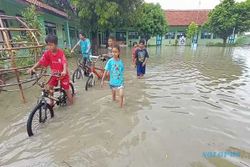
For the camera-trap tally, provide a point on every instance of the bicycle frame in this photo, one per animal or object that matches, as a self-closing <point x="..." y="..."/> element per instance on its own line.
<point x="45" y="91"/>
<point x="97" y="71"/>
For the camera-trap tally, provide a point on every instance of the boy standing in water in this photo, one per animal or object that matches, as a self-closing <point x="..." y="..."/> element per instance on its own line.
<point x="141" y="56"/>
<point x="55" y="58"/>
<point x="116" y="69"/>
<point x="85" y="45"/>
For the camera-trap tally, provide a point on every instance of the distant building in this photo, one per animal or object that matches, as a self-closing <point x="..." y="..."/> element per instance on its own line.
<point x="178" y="22"/>
<point x="55" y="21"/>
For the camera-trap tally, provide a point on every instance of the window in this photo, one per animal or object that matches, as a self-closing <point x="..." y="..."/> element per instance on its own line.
<point x="50" y="28"/>
<point x="121" y="36"/>
<point x="72" y="32"/>
<point x="170" y="35"/>
<point x="206" y="35"/>
<point x="180" y="34"/>
<point x="133" y="35"/>
<point x="104" y="38"/>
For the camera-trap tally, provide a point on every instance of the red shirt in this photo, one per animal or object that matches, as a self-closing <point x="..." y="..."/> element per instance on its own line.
<point x="56" y="61"/>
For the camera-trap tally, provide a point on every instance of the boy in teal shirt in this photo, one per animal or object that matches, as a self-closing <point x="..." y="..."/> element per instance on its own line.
<point x="85" y="46"/>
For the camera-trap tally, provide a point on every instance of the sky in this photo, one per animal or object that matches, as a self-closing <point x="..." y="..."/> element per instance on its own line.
<point x="187" y="4"/>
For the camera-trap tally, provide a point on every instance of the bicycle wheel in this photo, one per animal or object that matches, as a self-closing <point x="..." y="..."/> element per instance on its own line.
<point x="77" y="75"/>
<point x="40" y="114"/>
<point x="90" y="82"/>
<point x="86" y="70"/>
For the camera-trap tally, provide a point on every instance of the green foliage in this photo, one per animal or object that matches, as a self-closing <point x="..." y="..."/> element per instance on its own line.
<point x="229" y="16"/>
<point x="31" y="17"/>
<point x="243" y="40"/>
<point x="27" y="57"/>
<point x="27" y="61"/>
<point x="105" y="14"/>
<point x="192" y="30"/>
<point x="151" y="20"/>
<point x="242" y="11"/>
<point x="219" y="44"/>
<point x="68" y="53"/>
<point x="222" y="20"/>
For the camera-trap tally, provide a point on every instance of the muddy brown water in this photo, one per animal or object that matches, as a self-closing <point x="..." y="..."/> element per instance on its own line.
<point x="190" y="102"/>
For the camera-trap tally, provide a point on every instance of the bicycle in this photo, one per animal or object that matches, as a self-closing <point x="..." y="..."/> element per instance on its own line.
<point x="82" y="68"/>
<point x="43" y="110"/>
<point x="95" y="72"/>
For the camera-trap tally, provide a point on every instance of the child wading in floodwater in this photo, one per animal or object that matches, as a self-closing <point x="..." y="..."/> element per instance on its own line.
<point x="111" y="43"/>
<point x="116" y="69"/>
<point x="135" y="47"/>
<point x="141" y="56"/>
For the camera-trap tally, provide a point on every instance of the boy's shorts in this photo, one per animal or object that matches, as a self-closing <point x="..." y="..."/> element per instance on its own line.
<point x="141" y="70"/>
<point x="64" y="82"/>
<point x="116" y="87"/>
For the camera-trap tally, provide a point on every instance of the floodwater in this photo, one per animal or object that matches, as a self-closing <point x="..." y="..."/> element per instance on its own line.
<point x="190" y="102"/>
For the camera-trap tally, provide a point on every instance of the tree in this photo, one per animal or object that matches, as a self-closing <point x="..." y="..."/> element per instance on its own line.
<point x="31" y="17"/>
<point x="229" y="17"/>
<point x="105" y="15"/>
<point x="151" y="20"/>
<point x="242" y="10"/>
<point x="192" y="30"/>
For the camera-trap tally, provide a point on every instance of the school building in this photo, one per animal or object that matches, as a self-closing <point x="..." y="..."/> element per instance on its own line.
<point x="178" y="22"/>
<point x="55" y="21"/>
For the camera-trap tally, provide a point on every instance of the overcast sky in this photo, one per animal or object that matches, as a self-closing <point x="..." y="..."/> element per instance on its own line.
<point x="187" y="4"/>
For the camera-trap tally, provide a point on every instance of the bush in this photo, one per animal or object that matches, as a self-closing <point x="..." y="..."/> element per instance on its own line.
<point x="23" y="62"/>
<point x="219" y="44"/>
<point x="68" y="53"/>
<point x="243" y="40"/>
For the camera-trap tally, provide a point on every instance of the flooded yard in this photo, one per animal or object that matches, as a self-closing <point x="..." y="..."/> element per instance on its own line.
<point x="190" y="102"/>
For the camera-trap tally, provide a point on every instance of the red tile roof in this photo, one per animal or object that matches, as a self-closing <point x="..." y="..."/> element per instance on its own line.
<point x="47" y="7"/>
<point x="185" y="17"/>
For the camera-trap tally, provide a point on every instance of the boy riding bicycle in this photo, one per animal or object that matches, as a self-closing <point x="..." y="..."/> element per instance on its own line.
<point x="85" y="46"/>
<point x="55" y="58"/>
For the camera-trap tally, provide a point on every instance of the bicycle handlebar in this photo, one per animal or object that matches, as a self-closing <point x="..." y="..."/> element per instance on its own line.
<point x="38" y="77"/>
<point x="97" y="57"/>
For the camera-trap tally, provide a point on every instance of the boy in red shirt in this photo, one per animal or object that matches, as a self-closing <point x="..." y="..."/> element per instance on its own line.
<point x="55" y="58"/>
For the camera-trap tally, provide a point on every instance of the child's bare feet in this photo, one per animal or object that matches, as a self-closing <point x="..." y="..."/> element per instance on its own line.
<point x="122" y="102"/>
